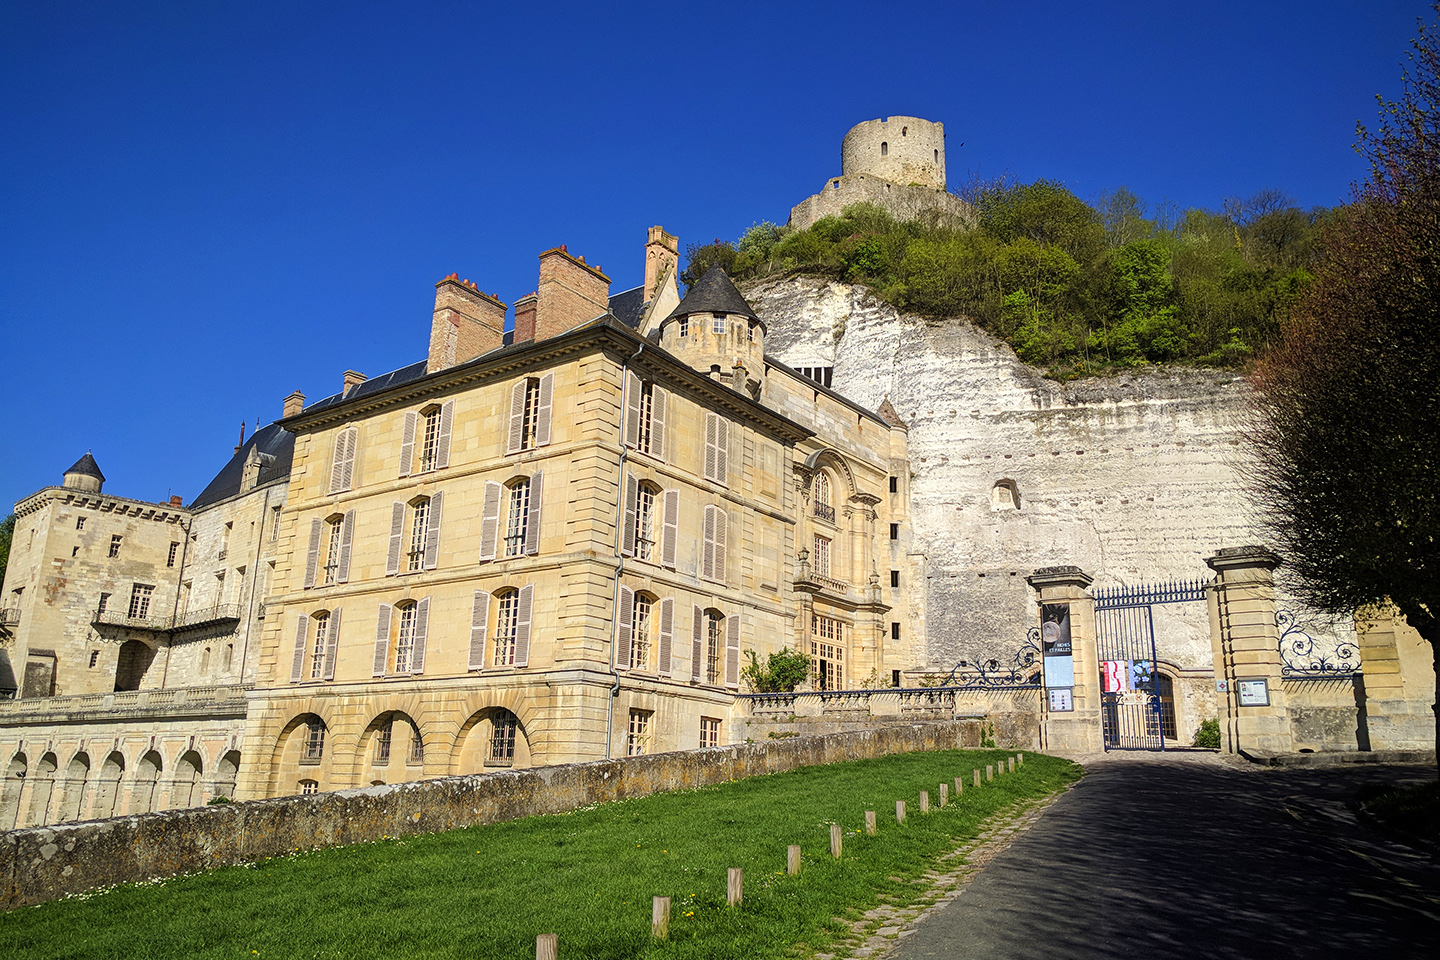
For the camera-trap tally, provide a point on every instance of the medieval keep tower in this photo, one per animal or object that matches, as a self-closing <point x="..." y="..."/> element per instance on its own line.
<point x="897" y="163"/>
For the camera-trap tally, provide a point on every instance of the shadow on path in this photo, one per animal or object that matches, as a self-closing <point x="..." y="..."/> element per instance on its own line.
<point x="1175" y="857"/>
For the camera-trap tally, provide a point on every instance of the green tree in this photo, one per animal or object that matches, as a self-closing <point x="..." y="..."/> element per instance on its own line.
<point x="701" y="257"/>
<point x="1347" y="433"/>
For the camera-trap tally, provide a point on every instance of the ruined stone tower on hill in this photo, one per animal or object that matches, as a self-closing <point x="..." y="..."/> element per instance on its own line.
<point x="897" y="163"/>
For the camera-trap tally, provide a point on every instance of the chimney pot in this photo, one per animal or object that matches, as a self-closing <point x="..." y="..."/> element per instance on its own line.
<point x="353" y="379"/>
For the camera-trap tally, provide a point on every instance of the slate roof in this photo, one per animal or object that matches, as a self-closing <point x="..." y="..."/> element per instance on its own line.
<point x="714" y="293"/>
<point x="414" y="371"/>
<point x="87" y="467"/>
<point x="628" y="306"/>
<point x="272" y="441"/>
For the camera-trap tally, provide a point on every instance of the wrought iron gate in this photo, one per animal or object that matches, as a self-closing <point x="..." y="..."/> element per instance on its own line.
<point x="1132" y="710"/>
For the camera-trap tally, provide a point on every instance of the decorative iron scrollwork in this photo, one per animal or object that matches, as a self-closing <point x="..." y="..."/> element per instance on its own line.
<point x="1020" y="672"/>
<point x="1303" y="657"/>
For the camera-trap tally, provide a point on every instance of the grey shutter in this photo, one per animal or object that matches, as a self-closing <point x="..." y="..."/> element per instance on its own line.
<point x="432" y="531"/>
<point x="670" y="532"/>
<point x="347" y="539"/>
<point x="479" y="625"/>
<point x="337" y="463"/>
<point x="722" y="450"/>
<point x="422" y="627"/>
<point x="631" y="492"/>
<point x="722" y="523"/>
<point x="397" y="532"/>
<point x="522" y="625"/>
<point x="348" y="470"/>
<point x="711" y="422"/>
<point x="490" y="520"/>
<point x="332" y="645"/>
<point x="442" y="443"/>
<point x="297" y="666"/>
<point x="632" y="410"/>
<point x="312" y="560"/>
<point x="542" y="415"/>
<point x="532" y="521"/>
<point x="697" y="646"/>
<point x="658" y="402"/>
<point x="517" y="416"/>
<point x="382" y="641"/>
<point x="732" y="652"/>
<point x="626" y="616"/>
<point x="667" y="637"/>
<point x="707" y="552"/>
<point x="407" y="444"/>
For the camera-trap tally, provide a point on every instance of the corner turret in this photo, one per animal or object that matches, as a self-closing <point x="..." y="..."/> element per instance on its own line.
<point x="717" y="332"/>
<point x="85" y="475"/>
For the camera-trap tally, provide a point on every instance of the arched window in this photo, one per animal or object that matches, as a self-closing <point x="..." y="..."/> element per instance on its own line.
<point x="130" y="666"/>
<point x="517" y="524"/>
<point x="334" y="537"/>
<point x="405" y="637"/>
<point x="187" y="778"/>
<point x="317" y="651"/>
<point x="507" y="624"/>
<point x="109" y="787"/>
<point x="147" y="776"/>
<point x="904" y="131"/>
<point x="530" y="402"/>
<point x="205" y="661"/>
<point x="72" y="796"/>
<point x="10" y="791"/>
<point x="884" y="149"/>
<point x="824" y="506"/>
<point x="312" y="748"/>
<point x="503" y="726"/>
<point x="430" y="438"/>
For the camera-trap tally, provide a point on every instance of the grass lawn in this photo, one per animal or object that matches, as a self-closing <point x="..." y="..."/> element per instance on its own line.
<point x="589" y="876"/>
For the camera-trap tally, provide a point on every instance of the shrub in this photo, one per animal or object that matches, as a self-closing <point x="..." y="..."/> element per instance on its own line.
<point x="1208" y="735"/>
<point x="783" y="672"/>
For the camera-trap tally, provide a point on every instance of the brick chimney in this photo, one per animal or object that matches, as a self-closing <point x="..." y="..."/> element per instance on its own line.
<point x="661" y="250"/>
<point x="295" y="403"/>
<point x="176" y="501"/>
<point x="353" y="379"/>
<point x="571" y="291"/>
<point x="466" y="323"/>
<point x="525" y="318"/>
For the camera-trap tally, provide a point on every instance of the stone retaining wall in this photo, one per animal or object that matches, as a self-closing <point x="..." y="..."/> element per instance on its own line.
<point x="46" y="863"/>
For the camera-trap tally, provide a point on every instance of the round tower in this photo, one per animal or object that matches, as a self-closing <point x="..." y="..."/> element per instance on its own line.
<point x="717" y="332"/>
<point x="85" y="475"/>
<point x="901" y="150"/>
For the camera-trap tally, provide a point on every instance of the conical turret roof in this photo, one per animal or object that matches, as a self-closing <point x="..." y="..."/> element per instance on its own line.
<point x="86" y="467"/>
<point x="714" y="293"/>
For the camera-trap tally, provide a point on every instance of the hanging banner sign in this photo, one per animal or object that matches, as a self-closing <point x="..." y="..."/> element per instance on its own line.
<point x="1114" y="676"/>
<point x="1055" y="647"/>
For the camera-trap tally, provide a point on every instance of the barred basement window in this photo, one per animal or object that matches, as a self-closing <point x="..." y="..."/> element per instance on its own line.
<point x="507" y="623"/>
<point x="382" y="744"/>
<point x="417" y="748"/>
<point x="502" y="737"/>
<point x="827" y="654"/>
<point x="709" y="732"/>
<point x="314" y="747"/>
<point x="638" y="737"/>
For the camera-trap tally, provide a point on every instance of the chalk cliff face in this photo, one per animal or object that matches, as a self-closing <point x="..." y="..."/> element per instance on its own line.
<point x="1133" y="478"/>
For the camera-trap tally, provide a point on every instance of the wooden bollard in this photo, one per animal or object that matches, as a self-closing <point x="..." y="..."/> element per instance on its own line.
<point x="977" y="777"/>
<point x="1010" y="763"/>
<point x="959" y="787"/>
<point x="547" y="946"/>
<point x="944" y="794"/>
<point x="660" y="918"/>
<point x="792" y="860"/>
<point x="924" y="801"/>
<point x="835" y="841"/>
<point x="899" y="811"/>
<point x="735" y="886"/>
<point x="1020" y="759"/>
<point x="870" y="827"/>
<point x="989" y="772"/>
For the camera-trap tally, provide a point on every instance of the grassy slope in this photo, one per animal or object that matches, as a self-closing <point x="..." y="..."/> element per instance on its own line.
<point x="588" y="876"/>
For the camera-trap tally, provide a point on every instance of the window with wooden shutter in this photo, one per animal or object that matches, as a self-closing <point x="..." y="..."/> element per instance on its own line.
<point x="347" y="539"/>
<point x="697" y="644"/>
<point x="542" y="413"/>
<point x="517" y="415"/>
<point x="382" y="641"/>
<point x="712" y="428"/>
<point x="422" y="627"/>
<point x="629" y="491"/>
<point x="659" y="401"/>
<point x="722" y="526"/>
<point x="632" y="410"/>
<point x="670" y="534"/>
<point x="625" y="615"/>
<point x="432" y="531"/>
<point x="714" y="535"/>
<point x="532" y="520"/>
<point x="479" y="626"/>
<point x="342" y="465"/>
<point x="645" y="522"/>
<point x="640" y="633"/>
<point x="732" y="651"/>
<point x="522" y="625"/>
<point x="405" y="637"/>
<point x="397" y="538"/>
<point x="517" y="519"/>
<point x="407" y="444"/>
<point x="442" y="445"/>
<point x="332" y="645"/>
<point x="312" y="559"/>
<point x="665" y="646"/>
<point x="506" y="617"/>
<point x="302" y="632"/>
<point x="717" y="448"/>
<point x="490" y="520"/>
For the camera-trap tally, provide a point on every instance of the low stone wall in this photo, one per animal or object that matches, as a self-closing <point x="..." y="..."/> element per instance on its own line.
<point x="1008" y="716"/>
<point x="46" y="863"/>
<point x="1324" y="716"/>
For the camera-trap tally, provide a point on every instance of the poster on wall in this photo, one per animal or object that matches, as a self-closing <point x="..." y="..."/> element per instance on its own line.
<point x="1062" y="700"/>
<point x="1055" y="647"/>
<point x="1115" y="676"/>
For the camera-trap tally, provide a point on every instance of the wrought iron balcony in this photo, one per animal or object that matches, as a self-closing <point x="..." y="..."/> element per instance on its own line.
<point x="122" y="618"/>
<point x="825" y="512"/>
<point x="190" y="620"/>
<point x="207" y="616"/>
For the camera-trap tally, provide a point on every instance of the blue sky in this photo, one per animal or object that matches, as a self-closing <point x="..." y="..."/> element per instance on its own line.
<point x="206" y="206"/>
